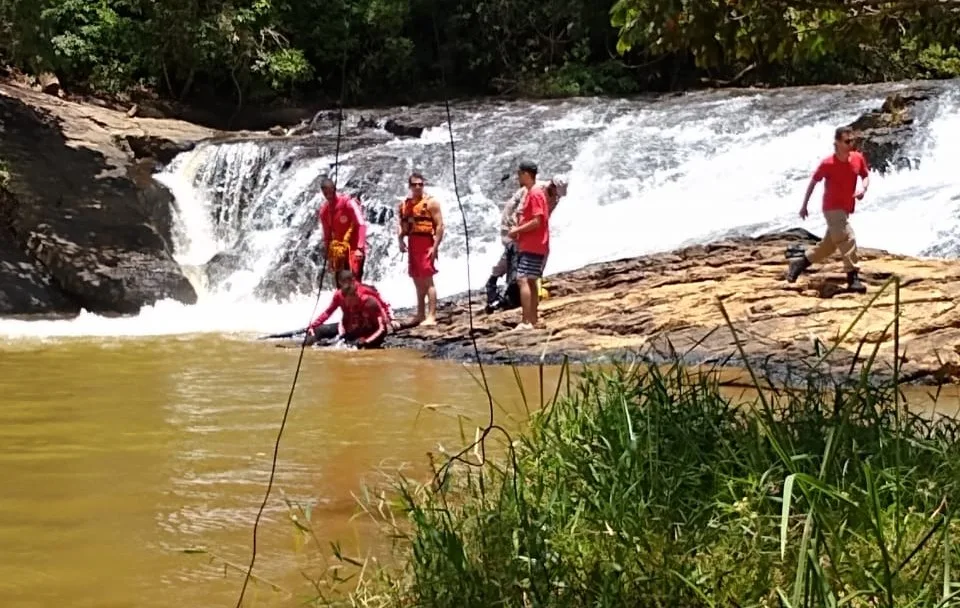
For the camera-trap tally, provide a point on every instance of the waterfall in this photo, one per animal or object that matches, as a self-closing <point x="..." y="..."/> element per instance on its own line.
<point x="645" y="175"/>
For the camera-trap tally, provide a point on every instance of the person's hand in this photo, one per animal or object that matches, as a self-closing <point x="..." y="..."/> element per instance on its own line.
<point x="358" y="254"/>
<point x="859" y="194"/>
<point x="803" y="212"/>
<point x="513" y="233"/>
<point x="432" y="254"/>
<point x="403" y="246"/>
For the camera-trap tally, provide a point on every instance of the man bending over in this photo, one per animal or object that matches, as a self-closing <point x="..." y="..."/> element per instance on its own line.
<point x="365" y="319"/>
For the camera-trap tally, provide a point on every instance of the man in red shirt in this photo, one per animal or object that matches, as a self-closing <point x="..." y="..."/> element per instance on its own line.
<point x="840" y="193"/>
<point x="366" y="317"/>
<point x="532" y="235"/>
<point x="344" y="230"/>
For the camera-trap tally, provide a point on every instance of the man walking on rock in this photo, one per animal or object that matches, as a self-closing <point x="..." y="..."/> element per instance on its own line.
<point x="839" y="173"/>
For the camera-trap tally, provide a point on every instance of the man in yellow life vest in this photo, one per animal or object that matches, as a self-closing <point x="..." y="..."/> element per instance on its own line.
<point x="420" y="234"/>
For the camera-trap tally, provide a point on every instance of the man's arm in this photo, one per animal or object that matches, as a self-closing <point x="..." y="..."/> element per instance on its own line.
<point x="334" y="305"/>
<point x="864" y="177"/>
<point x="400" y="241"/>
<point x="359" y="237"/>
<point x="374" y="307"/>
<point x="437" y="214"/>
<point x="814" y="179"/>
<point x="323" y="223"/>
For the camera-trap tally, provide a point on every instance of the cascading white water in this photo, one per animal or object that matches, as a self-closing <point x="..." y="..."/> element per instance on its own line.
<point x="643" y="177"/>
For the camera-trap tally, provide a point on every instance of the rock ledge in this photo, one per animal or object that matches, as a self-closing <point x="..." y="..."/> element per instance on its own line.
<point x="657" y="304"/>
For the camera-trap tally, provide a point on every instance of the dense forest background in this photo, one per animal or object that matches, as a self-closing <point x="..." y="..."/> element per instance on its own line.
<point x="290" y="51"/>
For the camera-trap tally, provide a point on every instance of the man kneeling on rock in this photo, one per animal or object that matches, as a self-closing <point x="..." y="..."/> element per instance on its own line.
<point x="366" y="317"/>
<point x="840" y="193"/>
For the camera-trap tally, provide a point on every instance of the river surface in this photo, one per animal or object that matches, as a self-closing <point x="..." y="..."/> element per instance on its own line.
<point x="118" y="453"/>
<point x="125" y="440"/>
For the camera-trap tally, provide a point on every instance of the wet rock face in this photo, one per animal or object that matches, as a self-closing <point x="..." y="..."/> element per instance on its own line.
<point x="885" y="134"/>
<point x="84" y="225"/>
<point x="159" y="148"/>
<point x="652" y="306"/>
<point x="27" y="286"/>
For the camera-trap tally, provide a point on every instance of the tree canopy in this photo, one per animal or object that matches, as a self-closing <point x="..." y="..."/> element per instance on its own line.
<point x="263" y="50"/>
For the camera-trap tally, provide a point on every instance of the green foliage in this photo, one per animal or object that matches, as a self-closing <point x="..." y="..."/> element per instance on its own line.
<point x="396" y="49"/>
<point x="649" y="486"/>
<point x="808" y="40"/>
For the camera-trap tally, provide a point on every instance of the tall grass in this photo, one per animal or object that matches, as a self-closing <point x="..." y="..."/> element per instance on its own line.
<point x="648" y="486"/>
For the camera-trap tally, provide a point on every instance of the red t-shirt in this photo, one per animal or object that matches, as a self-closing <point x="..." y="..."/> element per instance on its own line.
<point x="841" y="180"/>
<point x="537" y="240"/>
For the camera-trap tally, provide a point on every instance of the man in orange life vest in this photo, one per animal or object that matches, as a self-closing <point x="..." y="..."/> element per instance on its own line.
<point x="839" y="171"/>
<point x="344" y="230"/>
<point x="421" y="223"/>
<point x="366" y="317"/>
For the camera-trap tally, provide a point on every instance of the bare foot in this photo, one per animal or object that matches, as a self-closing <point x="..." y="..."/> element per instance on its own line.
<point x="414" y="321"/>
<point x="428" y="322"/>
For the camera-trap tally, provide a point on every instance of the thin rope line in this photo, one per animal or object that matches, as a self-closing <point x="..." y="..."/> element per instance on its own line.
<point x="303" y="343"/>
<point x="466" y="233"/>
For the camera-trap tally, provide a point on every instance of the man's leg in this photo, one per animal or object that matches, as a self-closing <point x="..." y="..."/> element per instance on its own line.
<point x="431" y="292"/>
<point x="421" y="288"/>
<point x="838" y="224"/>
<point x="527" y="293"/>
<point x="499" y="269"/>
<point x="533" y="317"/>
<point x="814" y="255"/>
<point x="529" y="268"/>
<point x="846" y="242"/>
<point x="840" y="237"/>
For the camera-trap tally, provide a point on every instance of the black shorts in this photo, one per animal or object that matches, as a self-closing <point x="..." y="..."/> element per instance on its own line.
<point x="530" y="265"/>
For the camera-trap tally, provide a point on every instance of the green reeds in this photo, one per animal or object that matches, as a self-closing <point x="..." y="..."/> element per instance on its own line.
<point x="646" y="485"/>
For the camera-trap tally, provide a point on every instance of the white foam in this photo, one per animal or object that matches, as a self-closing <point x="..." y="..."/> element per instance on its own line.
<point x="620" y="203"/>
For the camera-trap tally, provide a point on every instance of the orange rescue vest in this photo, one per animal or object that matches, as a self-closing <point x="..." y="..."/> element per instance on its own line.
<point x="415" y="217"/>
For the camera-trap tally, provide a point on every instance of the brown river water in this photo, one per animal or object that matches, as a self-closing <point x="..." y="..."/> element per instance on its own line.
<point x="117" y="454"/>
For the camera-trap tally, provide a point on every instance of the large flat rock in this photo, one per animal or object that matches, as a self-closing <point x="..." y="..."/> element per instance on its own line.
<point x="84" y="221"/>
<point x="659" y="304"/>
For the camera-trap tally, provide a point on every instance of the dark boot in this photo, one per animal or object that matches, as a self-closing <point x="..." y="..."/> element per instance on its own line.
<point x="797" y="266"/>
<point x="493" y="295"/>
<point x="854" y="284"/>
<point x="492" y="292"/>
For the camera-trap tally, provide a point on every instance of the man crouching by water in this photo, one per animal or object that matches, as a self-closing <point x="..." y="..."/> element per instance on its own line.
<point x="365" y="319"/>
